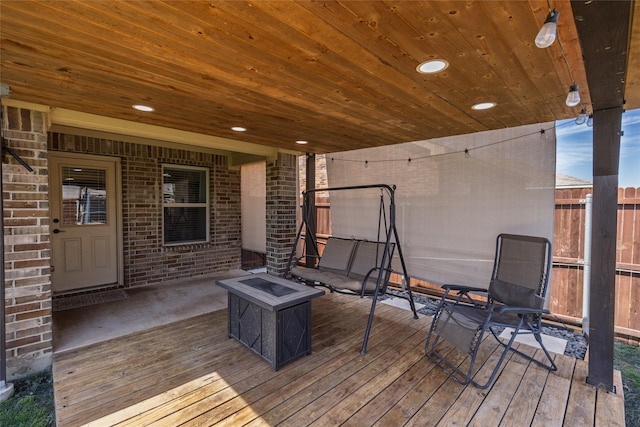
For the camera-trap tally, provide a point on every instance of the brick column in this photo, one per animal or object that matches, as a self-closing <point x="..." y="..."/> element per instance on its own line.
<point x="27" y="251"/>
<point x="281" y="210"/>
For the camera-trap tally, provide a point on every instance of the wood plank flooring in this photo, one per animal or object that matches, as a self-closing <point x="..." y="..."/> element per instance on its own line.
<point x="190" y="373"/>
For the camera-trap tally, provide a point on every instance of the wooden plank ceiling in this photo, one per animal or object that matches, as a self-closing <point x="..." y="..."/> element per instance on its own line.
<point x="341" y="75"/>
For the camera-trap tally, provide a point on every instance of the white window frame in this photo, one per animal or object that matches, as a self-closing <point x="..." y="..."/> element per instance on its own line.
<point x="205" y="204"/>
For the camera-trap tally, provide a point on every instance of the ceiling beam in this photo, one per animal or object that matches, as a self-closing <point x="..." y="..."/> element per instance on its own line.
<point x="604" y="33"/>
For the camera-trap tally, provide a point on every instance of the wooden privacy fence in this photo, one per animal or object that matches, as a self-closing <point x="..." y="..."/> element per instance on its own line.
<point x="568" y="257"/>
<point x="568" y="251"/>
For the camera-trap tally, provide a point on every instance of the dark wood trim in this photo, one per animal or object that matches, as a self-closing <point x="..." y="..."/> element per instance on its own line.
<point x="310" y="246"/>
<point x="603" y="30"/>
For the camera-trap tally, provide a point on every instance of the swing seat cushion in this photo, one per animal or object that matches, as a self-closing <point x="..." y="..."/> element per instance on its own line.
<point x="365" y="262"/>
<point x="346" y="264"/>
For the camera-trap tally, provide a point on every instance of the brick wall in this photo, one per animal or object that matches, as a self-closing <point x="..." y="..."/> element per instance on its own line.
<point x="321" y="171"/>
<point x="321" y="177"/>
<point x="282" y="192"/>
<point x="27" y="251"/>
<point x="146" y="260"/>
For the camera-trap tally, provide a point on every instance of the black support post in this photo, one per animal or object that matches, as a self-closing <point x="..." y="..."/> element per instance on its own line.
<point x="607" y="129"/>
<point x="604" y="30"/>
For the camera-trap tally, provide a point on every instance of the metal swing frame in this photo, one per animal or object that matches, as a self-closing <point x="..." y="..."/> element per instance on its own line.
<point x="390" y="231"/>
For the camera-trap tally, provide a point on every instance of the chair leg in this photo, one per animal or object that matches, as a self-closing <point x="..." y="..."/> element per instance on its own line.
<point x="465" y="378"/>
<point x="507" y="347"/>
<point x="535" y="330"/>
<point x="552" y="364"/>
<point x="450" y="369"/>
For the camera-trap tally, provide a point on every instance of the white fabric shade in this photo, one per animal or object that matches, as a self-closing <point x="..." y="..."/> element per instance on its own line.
<point x="451" y="205"/>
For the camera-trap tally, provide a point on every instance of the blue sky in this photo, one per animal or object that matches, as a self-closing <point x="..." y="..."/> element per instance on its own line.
<point x="575" y="150"/>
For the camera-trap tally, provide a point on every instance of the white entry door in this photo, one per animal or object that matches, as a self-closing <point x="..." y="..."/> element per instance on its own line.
<point x="84" y="221"/>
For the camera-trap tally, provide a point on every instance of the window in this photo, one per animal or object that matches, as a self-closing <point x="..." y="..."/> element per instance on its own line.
<point x="84" y="196"/>
<point x="186" y="204"/>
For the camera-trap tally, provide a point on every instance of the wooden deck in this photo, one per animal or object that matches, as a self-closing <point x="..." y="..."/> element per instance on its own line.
<point x="190" y="373"/>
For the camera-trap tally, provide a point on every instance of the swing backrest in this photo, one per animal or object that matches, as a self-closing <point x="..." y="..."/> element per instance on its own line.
<point x="367" y="257"/>
<point x="337" y="255"/>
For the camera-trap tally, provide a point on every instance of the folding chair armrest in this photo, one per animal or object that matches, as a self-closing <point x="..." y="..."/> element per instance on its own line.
<point x="521" y="310"/>
<point x="463" y="293"/>
<point x="462" y="288"/>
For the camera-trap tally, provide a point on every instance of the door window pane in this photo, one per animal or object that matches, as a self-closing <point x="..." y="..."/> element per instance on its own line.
<point x="84" y="196"/>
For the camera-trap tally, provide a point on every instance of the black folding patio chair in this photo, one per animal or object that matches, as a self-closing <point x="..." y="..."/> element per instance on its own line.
<point x="515" y="299"/>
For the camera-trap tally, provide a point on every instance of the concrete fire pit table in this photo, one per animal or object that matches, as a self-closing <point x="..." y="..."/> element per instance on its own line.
<point x="271" y="316"/>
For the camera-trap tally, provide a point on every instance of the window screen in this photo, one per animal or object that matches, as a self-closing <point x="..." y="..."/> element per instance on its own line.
<point x="186" y="204"/>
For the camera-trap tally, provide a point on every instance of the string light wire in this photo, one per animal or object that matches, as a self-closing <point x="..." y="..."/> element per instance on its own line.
<point x="562" y="51"/>
<point x="465" y="151"/>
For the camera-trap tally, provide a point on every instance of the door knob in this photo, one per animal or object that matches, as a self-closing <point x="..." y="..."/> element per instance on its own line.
<point x="56" y="231"/>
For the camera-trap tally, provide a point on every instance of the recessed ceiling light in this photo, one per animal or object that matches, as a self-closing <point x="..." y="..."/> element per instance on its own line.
<point x="145" y="108"/>
<point x="302" y="142"/>
<point x="484" y="106"/>
<point x="238" y="129"/>
<point x="432" y="66"/>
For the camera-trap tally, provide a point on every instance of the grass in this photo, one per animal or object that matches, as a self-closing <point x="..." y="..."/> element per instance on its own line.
<point x="626" y="358"/>
<point x="32" y="403"/>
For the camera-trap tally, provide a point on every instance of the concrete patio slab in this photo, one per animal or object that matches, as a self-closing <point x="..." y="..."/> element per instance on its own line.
<point x="145" y="308"/>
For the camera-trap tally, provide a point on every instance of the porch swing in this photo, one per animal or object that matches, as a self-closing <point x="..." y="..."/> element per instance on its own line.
<point x="350" y="265"/>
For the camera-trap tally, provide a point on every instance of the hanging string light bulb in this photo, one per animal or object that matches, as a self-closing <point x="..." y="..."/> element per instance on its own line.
<point x="545" y="38"/>
<point x="547" y="34"/>
<point x="573" y="98"/>
<point x="590" y="120"/>
<point x="582" y="117"/>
